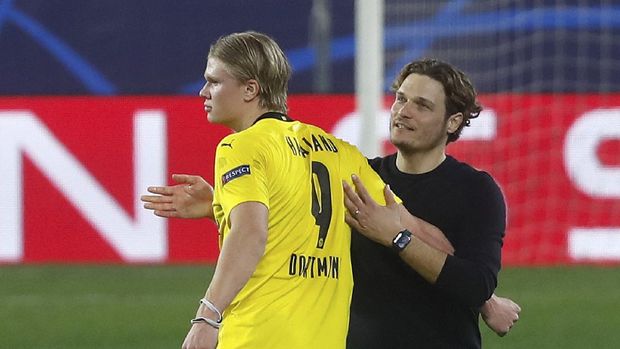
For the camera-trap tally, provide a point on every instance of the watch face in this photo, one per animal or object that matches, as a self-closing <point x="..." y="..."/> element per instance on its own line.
<point x="401" y="240"/>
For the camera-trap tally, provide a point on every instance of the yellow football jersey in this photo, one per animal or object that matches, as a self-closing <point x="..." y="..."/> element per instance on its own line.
<point x="300" y="293"/>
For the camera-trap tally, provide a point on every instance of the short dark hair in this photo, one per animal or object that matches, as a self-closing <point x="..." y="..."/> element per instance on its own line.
<point x="460" y="92"/>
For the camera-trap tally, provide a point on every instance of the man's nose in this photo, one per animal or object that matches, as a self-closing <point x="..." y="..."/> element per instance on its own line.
<point x="204" y="91"/>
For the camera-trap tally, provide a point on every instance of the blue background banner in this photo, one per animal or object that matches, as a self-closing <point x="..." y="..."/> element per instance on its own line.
<point x="73" y="47"/>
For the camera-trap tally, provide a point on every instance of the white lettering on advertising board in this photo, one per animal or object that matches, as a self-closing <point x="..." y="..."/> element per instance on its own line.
<point x="142" y="238"/>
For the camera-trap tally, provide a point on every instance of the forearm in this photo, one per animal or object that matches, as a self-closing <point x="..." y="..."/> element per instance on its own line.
<point x="235" y="266"/>
<point x="242" y="249"/>
<point x="428" y="249"/>
<point x="429" y="253"/>
<point x="424" y="259"/>
<point x="425" y="231"/>
<point x="470" y="281"/>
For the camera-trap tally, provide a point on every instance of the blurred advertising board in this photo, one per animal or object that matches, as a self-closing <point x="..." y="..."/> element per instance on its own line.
<point x="73" y="169"/>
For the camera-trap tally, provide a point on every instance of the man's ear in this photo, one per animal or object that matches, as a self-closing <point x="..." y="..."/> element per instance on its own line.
<point x="252" y="90"/>
<point x="454" y="121"/>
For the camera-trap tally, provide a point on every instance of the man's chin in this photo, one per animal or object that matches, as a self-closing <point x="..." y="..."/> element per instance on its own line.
<point x="398" y="141"/>
<point x="401" y="144"/>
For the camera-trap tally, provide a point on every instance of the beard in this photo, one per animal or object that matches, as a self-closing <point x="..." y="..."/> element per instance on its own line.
<point x="419" y="145"/>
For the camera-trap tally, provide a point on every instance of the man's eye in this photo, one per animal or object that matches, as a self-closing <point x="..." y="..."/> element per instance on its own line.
<point x="423" y="106"/>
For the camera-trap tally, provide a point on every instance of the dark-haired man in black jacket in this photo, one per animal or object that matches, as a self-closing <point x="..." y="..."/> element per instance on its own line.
<point x="407" y="292"/>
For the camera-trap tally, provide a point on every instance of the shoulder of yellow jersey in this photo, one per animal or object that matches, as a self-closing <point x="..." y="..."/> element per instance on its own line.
<point x="252" y="138"/>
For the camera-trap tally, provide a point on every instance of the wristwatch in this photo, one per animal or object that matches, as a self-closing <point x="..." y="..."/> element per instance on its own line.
<point x="401" y="240"/>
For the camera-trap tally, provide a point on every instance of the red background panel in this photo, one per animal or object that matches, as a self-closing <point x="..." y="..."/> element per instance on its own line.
<point x="526" y="158"/>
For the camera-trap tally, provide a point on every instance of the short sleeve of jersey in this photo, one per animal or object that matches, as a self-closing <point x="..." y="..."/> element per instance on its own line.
<point x="240" y="171"/>
<point x="371" y="180"/>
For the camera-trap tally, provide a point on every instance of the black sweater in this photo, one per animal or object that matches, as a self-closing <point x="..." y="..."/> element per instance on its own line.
<point x="393" y="306"/>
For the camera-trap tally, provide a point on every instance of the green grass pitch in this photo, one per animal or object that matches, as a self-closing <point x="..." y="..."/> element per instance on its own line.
<point x="69" y="306"/>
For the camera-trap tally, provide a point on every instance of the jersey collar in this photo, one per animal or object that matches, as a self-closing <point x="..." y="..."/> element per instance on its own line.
<point x="273" y="115"/>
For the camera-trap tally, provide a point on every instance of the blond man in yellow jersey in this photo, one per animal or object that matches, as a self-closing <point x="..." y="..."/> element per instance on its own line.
<point x="299" y="293"/>
<point x="283" y="278"/>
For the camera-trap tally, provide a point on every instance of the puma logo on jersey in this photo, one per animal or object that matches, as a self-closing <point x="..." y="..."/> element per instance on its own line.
<point x="226" y="145"/>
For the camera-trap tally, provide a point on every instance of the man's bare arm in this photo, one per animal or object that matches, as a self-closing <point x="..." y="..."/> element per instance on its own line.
<point x="242" y="249"/>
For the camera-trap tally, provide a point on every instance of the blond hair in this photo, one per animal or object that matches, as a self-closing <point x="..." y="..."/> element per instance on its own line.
<point x="251" y="55"/>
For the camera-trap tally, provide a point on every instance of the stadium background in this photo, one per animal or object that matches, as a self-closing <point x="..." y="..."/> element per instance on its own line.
<point x="98" y="100"/>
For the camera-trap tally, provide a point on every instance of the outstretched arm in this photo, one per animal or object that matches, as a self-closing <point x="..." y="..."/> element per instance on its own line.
<point x="191" y="197"/>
